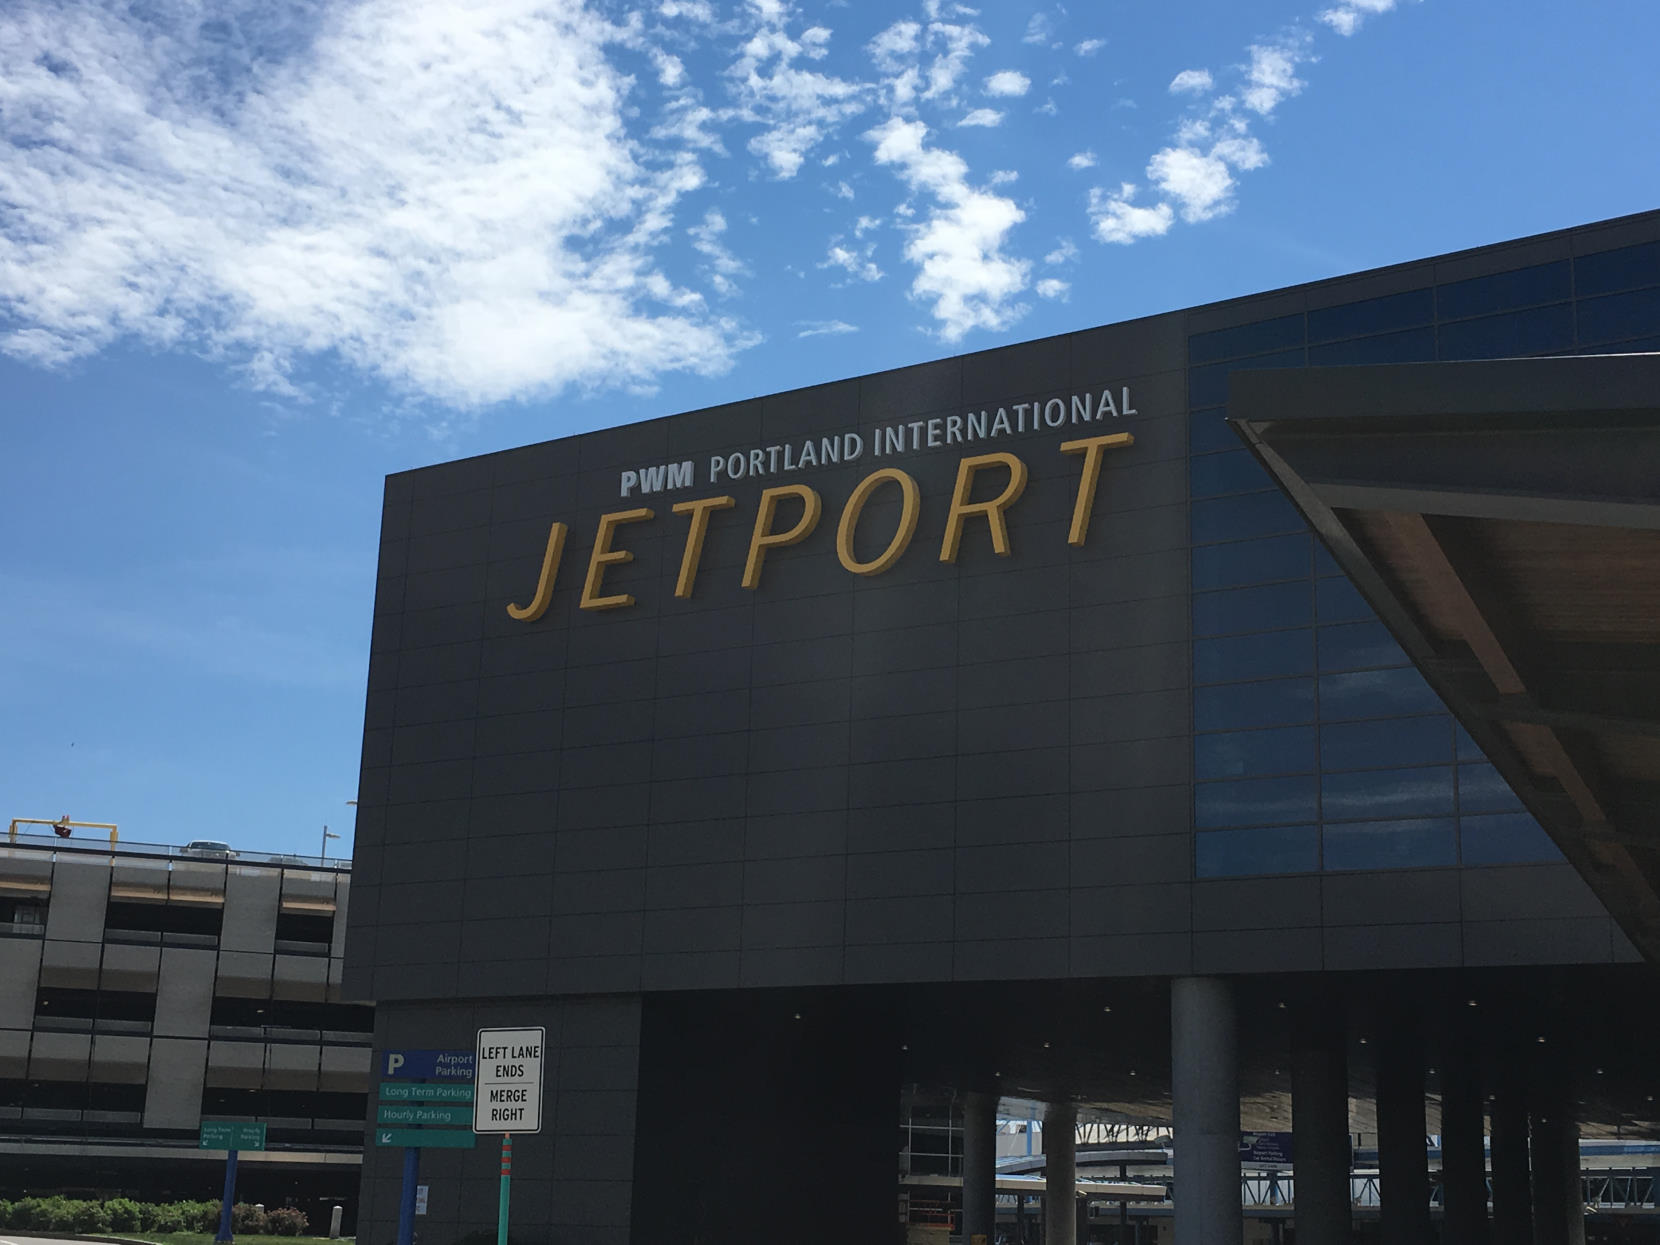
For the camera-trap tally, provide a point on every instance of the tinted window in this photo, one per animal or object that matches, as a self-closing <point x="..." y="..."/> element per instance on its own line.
<point x="1376" y="745"/>
<point x="1251" y="562"/>
<point x="1272" y="702"/>
<point x="1638" y="345"/>
<point x="1235" y="518"/>
<point x="1208" y="386"/>
<point x="1256" y="338"/>
<point x="1505" y="839"/>
<point x="1235" y="657"/>
<point x="1278" y="849"/>
<point x="1208" y="431"/>
<point x="1619" y="316"/>
<point x="1242" y="754"/>
<point x="1355" y="646"/>
<point x="1467" y="747"/>
<point x="1374" y="315"/>
<point x="1390" y="844"/>
<point x="1412" y="346"/>
<point x="1376" y="694"/>
<point x="1482" y="789"/>
<point x="1252" y="609"/>
<point x="1324" y="563"/>
<point x="1624" y="269"/>
<point x="1521" y="287"/>
<point x="1255" y="802"/>
<point x="1338" y="600"/>
<point x="1233" y="472"/>
<point x="1517" y="333"/>
<point x="1424" y="792"/>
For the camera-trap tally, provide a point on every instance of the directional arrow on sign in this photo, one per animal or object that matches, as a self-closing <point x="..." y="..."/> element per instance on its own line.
<point x="385" y="1139"/>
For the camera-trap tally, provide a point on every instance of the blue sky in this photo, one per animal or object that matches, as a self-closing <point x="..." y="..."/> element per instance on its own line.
<point x="250" y="262"/>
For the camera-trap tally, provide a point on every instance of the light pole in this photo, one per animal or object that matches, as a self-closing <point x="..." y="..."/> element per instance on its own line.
<point x="327" y="835"/>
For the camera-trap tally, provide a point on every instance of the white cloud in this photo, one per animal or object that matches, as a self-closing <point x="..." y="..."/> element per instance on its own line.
<point x="692" y="10"/>
<point x="1081" y="160"/>
<point x="1089" y="47"/>
<point x="957" y="44"/>
<point x="1008" y="83"/>
<point x="447" y="198"/>
<point x="1192" y="82"/>
<point x="1064" y="253"/>
<point x="1117" y="219"/>
<point x="1272" y="76"/>
<point x="958" y="247"/>
<point x="1346" y="17"/>
<point x="891" y="48"/>
<point x="842" y="190"/>
<point x="826" y="328"/>
<point x="983" y="116"/>
<point x="1052" y="287"/>
<point x="865" y="224"/>
<point x="1201" y="183"/>
<point x="797" y="107"/>
<point x="1039" y="29"/>
<point x="1004" y="177"/>
<point x="721" y="263"/>
<point x="856" y="263"/>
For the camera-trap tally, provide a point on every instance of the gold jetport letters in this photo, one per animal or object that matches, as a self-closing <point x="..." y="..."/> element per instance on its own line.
<point x="766" y="536"/>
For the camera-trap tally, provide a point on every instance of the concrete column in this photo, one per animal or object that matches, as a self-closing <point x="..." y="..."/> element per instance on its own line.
<point x="979" y="1168"/>
<point x="1512" y="1191"/>
<point x="1463" y="1161"/>
<point x="1320" y="1127"/>
<point x="1403" y="1161"/>
<point x="1060" y="1173"/>
<point x="1204" y="1075"/>
<point x="1558" y="1202"/>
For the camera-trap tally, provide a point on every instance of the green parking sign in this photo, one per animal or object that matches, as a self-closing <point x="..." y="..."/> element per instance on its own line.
<point x="231" y="1135"/>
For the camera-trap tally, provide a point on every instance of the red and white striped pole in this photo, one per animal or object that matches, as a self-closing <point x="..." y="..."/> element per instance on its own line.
<point x="506" y="1176"/>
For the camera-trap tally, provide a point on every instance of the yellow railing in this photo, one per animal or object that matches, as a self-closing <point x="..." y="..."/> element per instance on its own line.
<point x="63" y="826"/>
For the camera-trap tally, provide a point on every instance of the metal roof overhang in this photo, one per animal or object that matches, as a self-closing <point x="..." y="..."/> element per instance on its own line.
<point x="1503" y="518"/>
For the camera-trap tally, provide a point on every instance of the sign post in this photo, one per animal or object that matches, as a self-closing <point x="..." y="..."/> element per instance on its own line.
<point x="229" y="1136"/>
<point x="507" y="1096"/>
<point x="423" y="1081"/>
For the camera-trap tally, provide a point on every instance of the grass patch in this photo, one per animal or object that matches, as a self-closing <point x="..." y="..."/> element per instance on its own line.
<point x="206" y="1238"/>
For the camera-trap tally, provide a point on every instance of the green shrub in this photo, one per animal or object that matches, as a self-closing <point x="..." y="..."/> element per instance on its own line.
<point x="125" y="1215"/>
<point x="88" y="1218"/>
<point x="286" y="1221"/>
<point x="200" y="1216"/>
<point x="165" y="1218"/>
<point x="247" y="1220"/>
<point x="5" y="1213"/>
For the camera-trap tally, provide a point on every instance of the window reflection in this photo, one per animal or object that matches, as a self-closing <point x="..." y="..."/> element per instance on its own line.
<point x="1373" y="315"/>
<point x="1376" y="694"/>
<point x="1377" y="745"/>
<point x="1520" y="287"/>
<point x="1230" y="658"/>
<point x="1256" y="802"/>
<point x="1482" y="789"/>
<point x="1239" y="518"/>
<point x="1505" y="839"/>
<point x="1251" y="561"/>
<point x="1276" y="849"/>
<point x="1271" y="702"/>
<point x="1390" y="844"/>
<point x="1252" y="609"/>
<point x="1426" y="792"/>
<point x="1239" y="754"/>
<point x="1357" y="646"/>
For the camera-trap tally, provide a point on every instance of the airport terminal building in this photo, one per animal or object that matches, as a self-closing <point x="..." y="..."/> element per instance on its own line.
<point x="1018" y="726"/>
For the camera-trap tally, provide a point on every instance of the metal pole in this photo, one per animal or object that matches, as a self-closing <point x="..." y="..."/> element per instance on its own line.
<point x="506" y="1179"/>
<point x="406" y="1200"/>
<point x="224" y="1233"/>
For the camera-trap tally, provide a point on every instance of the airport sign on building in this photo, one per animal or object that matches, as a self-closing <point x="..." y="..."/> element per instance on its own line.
<point x="508" y="1097"/>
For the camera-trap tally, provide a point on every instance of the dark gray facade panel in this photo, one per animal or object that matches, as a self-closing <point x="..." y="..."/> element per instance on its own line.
<point x="944" y="771"/>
